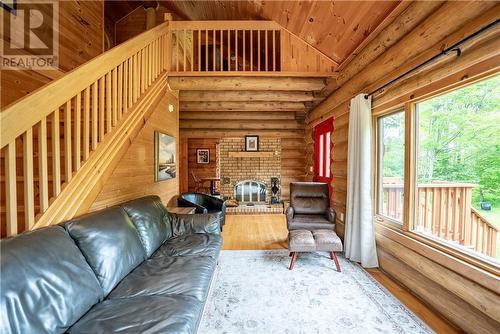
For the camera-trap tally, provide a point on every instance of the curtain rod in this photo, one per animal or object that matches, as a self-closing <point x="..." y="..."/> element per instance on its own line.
<point x="455" y="48"/>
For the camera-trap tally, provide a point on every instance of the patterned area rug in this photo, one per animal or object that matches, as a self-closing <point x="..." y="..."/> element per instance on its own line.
<point x="254" y="292"/>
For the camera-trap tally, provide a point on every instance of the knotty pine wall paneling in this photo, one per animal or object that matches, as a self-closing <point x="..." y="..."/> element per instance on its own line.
<point x="80" y="39"/>
<point x="134" y="175"/>
<point x="201" y="170"/>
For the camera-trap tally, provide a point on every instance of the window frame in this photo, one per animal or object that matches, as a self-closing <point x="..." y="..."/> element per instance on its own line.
<point x="378" y="169"/>
<point x="411" y="238"/>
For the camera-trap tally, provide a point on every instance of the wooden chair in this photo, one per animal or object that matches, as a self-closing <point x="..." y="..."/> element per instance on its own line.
<point x="199" y="185"/>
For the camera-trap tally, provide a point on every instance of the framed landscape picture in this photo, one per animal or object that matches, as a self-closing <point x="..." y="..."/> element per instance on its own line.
<point x="202" y="156"/>
<point x="251" y="143"/>
<point x="165" y="153"/>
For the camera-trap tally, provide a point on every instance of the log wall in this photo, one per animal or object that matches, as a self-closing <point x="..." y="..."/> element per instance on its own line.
<point x="442" y="280"/>
<point x="285" y="125"/>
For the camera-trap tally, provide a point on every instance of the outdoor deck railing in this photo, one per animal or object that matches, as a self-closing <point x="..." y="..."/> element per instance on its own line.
<point x="445" y="210"/>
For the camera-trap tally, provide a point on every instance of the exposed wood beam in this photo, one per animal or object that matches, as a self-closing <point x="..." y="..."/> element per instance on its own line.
<point x="236" y="115"/>
<point x="286" y="96"/>
<point x="242" y="124"/>
<point x="242" y="106"/>
<point x="216" y="133"/>
<point x="246" y="83"/>
<point x="277" y="74"/>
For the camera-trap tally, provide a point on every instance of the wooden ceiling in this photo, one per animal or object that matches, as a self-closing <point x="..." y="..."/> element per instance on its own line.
<point x="336" y="28"/>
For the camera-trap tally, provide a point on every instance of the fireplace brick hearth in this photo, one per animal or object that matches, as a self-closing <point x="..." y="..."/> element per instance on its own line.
<point x="236" y="169"/>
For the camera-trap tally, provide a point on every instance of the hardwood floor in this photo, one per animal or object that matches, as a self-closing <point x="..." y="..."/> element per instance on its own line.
<point x="270" y="232"/>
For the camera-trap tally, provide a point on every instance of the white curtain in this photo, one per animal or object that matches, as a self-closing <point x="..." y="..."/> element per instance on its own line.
<point x="359" y="237"/>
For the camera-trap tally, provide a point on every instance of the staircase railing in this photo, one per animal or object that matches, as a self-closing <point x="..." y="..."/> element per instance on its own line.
<point x="74" y="122"/>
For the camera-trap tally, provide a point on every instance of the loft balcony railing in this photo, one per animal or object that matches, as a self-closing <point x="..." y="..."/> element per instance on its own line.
<point x="241" y="47"/>
<point x="444" y="210"/>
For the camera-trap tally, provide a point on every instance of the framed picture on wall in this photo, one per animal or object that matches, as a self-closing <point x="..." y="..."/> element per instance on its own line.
<point x="251" y="143"/>
<point x="165" y="153"/>
<point x="202" y="156"/>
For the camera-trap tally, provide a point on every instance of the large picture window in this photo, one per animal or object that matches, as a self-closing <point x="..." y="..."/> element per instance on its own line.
<point x="458" y="167"/>
<point x="391" y="136"/>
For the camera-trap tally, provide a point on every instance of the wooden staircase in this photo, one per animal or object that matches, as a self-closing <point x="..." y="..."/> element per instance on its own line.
<point x="59" y="143"/>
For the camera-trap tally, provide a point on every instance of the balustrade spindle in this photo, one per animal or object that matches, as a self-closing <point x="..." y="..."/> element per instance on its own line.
<point x="77" y="124"/>
<point x="95" y="103"/>
<point x="244" y="50"/>
<point x="109" y="102"/>
<point x="68" y="172"/>
<point x="86" y="123"/>
<point x="206" y="50"/>
<point x="114" y="100"/>
<point x="29" y="202"/>
<point x="258" y="50"/>
<point x="120" y="92"/>
<point x="56" y="153"/>
<point x="214" y="44"/>
<point x="43" y="165"/>
<point x="11" y="188"/>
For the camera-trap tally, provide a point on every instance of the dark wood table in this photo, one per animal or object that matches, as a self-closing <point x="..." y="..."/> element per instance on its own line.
<point x="212" y="183"/>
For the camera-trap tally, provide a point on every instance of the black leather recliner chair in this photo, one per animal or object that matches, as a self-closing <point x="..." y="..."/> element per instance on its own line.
<point x="310" y="207"/>
<point x="204" y="204"/>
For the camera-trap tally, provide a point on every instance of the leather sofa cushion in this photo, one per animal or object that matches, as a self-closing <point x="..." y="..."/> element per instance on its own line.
<point x="193" y="223"/>
<point x="199" y="244"/>
<point x="146" y="314"/>
<point x="188" y="275"/>
<point x="310" y="222"/>
<point x="109" y="241"/>
<point x="147" y="214"/>
<point x="46" y="283"/>
<point x="309" y="197"/>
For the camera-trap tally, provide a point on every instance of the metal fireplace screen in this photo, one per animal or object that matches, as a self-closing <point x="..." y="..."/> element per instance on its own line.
<point x="250" y="191"/>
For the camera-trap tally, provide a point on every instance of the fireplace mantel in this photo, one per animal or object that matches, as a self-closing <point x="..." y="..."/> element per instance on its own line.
<point x="245" y="154"/>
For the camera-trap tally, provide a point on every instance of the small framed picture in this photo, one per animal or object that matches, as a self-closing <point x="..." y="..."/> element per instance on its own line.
<point x="165" y="153"/>
<point x="251" y="143"/>
<point x="202" y="156"/>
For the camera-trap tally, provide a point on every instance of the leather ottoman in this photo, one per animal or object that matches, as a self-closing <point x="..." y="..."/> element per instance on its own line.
<point x="311" y="241"/>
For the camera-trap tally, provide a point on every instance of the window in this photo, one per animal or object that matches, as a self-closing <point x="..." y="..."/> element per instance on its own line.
<point x="458" y="167"/>
<point x="391" y="135"/>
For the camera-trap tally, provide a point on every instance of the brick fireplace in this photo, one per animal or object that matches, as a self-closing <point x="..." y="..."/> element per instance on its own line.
<point x="235" y="170"/>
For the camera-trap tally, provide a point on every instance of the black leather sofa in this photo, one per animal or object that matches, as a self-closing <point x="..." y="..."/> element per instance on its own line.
<point x="204" y="204"/>
<point x="131" y="268"/>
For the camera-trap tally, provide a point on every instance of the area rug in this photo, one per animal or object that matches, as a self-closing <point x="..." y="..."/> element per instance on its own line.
<point x="254" y="292"/>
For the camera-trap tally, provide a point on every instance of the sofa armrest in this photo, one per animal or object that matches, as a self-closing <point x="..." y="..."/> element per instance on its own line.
<point x="193" y="223"/>
<point x="182" y="203"/>
<point x="331" y="215"/>
<point x="289" y="213"/>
